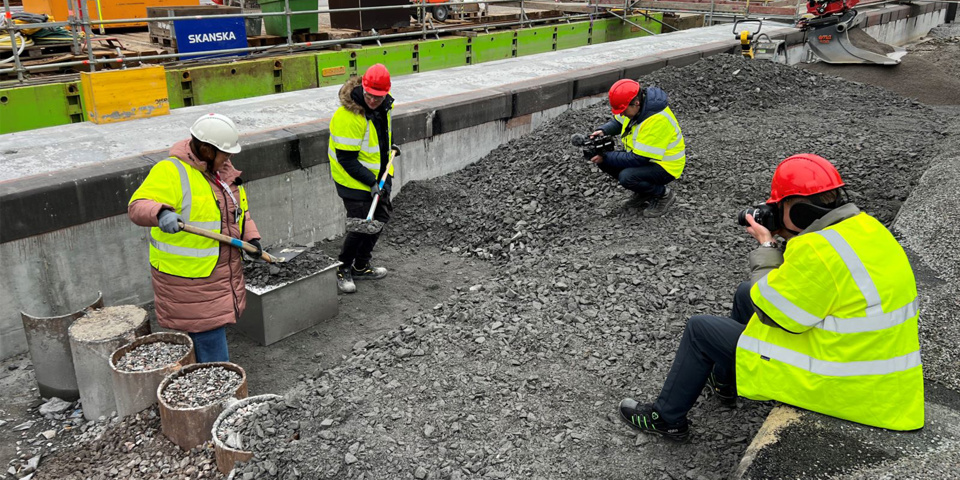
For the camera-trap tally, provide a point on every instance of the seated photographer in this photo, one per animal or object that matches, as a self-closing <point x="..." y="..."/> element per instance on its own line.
<point x="653" y="144"/>
<point x="830" y="324"/>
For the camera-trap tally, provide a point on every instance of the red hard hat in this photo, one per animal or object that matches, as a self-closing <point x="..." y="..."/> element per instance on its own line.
<point x="377" y="80"/>
<point x="622" y="93"/>
<point x="803" y="174"/>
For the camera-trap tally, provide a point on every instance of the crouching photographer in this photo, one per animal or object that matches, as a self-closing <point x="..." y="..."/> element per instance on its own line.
<point x="830" y="324"/>
<point x="654" y="151"/>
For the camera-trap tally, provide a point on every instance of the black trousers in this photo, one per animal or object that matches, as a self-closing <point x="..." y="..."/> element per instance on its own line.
<point x="358" y="247"/>
<point x="709" y="343"/>
<point x="648" y="180"/>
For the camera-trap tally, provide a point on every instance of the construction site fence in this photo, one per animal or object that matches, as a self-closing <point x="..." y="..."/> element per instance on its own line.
<point x="85" y="25"/>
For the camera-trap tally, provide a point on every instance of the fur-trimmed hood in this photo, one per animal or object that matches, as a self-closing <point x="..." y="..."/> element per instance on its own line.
<point x="353" y="105"/>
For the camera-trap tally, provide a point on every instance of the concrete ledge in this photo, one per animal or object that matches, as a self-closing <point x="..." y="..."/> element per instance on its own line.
<point x="638" y="68"/>
<point x="269" y="153"/>
<point x="312" y="140"/>
<point x="595" y="80"/>
<point x="536" y="95"/>
<point x="48" y="203"/>
<point x="469" y="110"/>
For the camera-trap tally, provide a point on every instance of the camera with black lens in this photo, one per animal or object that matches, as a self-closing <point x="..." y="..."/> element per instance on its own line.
<point x="593" y="146"/>
<point x="766" y="215"/>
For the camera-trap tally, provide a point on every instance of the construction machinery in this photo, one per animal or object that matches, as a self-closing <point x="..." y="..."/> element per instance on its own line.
<point x="834" y="36"/>
<point x="756" y="45"/>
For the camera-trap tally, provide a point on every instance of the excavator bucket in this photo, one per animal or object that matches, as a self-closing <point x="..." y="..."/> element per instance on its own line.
<point x="844" y="42"/>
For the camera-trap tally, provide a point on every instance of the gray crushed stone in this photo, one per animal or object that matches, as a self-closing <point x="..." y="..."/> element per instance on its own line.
<point x="201" y="387"/>
<point x="108" y="322"/>
<point x="128" y="448"/>
<point x="152" y="356"/>
<point x="519" y="376"/>
<point x="260" y="427"/>
<point x="262" y="275"/>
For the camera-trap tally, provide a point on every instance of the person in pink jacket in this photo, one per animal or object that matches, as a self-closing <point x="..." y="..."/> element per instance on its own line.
<point x="197" y="282"/>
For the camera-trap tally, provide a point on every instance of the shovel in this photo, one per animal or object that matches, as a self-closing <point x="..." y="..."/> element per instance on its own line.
<point x="368" y="225"/>
<point x="235" y="242"/>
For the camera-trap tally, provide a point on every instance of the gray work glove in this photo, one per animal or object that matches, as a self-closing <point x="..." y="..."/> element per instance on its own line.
<point x="375" y="190"/>
<point x="169" y="221"/>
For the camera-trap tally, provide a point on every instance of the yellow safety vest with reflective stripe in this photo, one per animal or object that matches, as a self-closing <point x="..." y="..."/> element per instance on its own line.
<point x="355" y="133"/>
<point x="658" y="138"/>
<point x="187" y="190"/>
<point x="849" y="295"/>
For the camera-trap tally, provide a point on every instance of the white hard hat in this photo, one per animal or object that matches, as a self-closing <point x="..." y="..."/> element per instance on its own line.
<point x="217" y="130"/>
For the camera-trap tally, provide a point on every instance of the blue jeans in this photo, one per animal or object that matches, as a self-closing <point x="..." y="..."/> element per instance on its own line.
<point x="647" y="179"/>
<point x="211" y="346"/>
<point x="709" y="344"/>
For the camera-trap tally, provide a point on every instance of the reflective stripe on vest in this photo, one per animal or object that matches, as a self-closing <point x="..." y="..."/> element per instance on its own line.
<point x="672" y="157"/>
<point x="186" y="208"/>
<point x="875" y="319"/>
<point x="184" y="254"/>
<point x="828" y="368"/>
<point x="344" y="123"/>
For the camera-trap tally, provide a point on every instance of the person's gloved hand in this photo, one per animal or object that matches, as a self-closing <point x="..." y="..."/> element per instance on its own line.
<point x="256" y="243"/>
<point x="394" y="147"/>
<point x="169" y="221"/>
<point x="374" y="190"/>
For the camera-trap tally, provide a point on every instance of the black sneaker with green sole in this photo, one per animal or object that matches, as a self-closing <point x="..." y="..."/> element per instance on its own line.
<point x="369" y="273"/>
<point x="645" y="419"/>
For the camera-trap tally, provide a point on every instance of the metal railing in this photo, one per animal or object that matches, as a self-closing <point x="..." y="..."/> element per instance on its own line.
<point x="80" y="20"/>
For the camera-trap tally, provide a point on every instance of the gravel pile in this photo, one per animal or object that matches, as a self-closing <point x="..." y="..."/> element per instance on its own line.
<point x="152" y="356"/>
<point x="263" y="275"/>
<point x="519" y="375"/>
<point x="201" y="387"/>
<point x="106" y="323"/>
<point x="132" y="447"/>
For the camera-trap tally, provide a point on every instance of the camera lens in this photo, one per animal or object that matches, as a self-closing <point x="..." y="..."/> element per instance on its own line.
<point x="742" y="216"/>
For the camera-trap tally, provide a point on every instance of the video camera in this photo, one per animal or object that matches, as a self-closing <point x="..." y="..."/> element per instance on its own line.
<point x="592" y="146"/>
<point x="766" y="215"/>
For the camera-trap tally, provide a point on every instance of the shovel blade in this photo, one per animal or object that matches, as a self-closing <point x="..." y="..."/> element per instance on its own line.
<point x="285" y="254"/>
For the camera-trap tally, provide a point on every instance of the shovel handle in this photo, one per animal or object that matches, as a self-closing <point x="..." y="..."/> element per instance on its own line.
<point x="383" y="180"/>
<point x="229" y="241"/>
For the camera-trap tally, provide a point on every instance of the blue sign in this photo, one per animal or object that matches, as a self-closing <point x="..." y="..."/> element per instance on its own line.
<point x="210" y="34"/>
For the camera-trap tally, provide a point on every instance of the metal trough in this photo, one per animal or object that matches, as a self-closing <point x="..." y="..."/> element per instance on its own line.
<point x="276" y="312"/>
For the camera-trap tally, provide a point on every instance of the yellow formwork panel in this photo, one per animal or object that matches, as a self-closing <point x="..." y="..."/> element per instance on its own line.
<point x="118" y="95"/>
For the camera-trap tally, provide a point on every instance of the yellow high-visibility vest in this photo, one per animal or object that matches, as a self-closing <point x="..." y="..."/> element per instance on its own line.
<point x="352" y="132"/>
<point x="658" y="138"/>
<point x="849" y="295"/>
<point x="187" y="190"/>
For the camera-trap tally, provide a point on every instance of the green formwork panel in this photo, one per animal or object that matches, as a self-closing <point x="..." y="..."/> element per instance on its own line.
<point x="438" y="54"/>
<point x="174" y="88"/>
<point x="38" y="106"/>
<point x="646" y="23"/>
<point x="536" y="40"/>
<point x="573" y="35"/>
<point x="334" y="68"/>
<point x="397" y="57"/>
<point x="298" y="72"/>
<point x="600" y="32"/>
<point x="491" y="46"/>
<point x="232" y="81"/>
